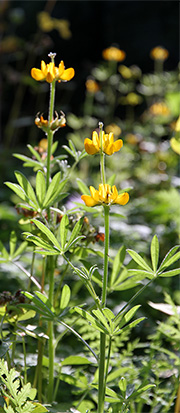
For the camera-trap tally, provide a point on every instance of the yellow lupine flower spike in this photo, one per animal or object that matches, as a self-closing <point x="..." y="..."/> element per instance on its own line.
<point x="105" y="195"/>
<point x="49" y="72"/>
<point x="108" y="145"/>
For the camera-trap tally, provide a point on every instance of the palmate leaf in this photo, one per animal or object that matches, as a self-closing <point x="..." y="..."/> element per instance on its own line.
<point x="54" y="190"/>
<point x="137" y="258"/>
<point x="94" y="322"/>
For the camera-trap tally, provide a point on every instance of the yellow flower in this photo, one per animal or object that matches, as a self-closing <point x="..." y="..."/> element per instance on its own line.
<point x="115" y="129"/>
<point x="159" y="109"/>
<point x="108" y="145"/>
<point x="50" y="72"/>
<point x="175" y="140"/>
<point x="92" y="86"/>
<point x="131" y="99"/>
<point x="113" y="53"/>
<point x="105" y="195"/>
<point x="159" y="53"/>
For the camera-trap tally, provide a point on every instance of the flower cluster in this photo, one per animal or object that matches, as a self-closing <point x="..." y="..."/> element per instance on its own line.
<point x="159" y="53"/>
<point x="49" y="72"/>
<point x="105" y="195"/>
<point x="113" y="53"/>
<point x="44" y="124"/>
<point x="108" y="145"/>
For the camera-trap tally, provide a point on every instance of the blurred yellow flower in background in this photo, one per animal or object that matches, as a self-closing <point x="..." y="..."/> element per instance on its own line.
<point x="175" y="140"/>
<point x="48" y="23"/>
<point x="108" y="145"/>
<point x="159" y="109"/>
<point x="131" y="99"/>
<point x="113" y="53"/>
<point x="49" y="72"/>
<point x="105" y="195"/>
<point x="115" y="129"/>
<point x="92" y="86"/>
<point x="159" y="53"/>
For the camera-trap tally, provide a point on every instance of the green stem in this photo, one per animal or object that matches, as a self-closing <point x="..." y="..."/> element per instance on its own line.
<point x="106" y="252"/>
<point x="101" y="388"/>
<point x="102" y="374"/>
<point x="25" y="367"/>
<point x="50" y="268"/>
<point x="50" y="132"/>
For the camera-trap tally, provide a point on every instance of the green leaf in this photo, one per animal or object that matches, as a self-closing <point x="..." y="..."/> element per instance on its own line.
<point x="34" y="152"/>
<point x="39" y="408"/>
<point x="155" y="252"/>
<point x="137" y="258"/>
<point x="127" y="317"/>
<point x="20" y="249"/>
<point x="40" y="242"/>
<point x="19" y="191"/>
<point x="63" y="228"/>
<point x="74" y="233"/>
<point x="53" y="187"/>
<point x="3" y="251"/>
<point x="26" y="186"/>
<point x="98" y="326"/>
<point x="28" y="161"/>
<point x="169" y="254"/>
<point x="111" y="180"/>
<point x="12" y="242"/>
<point x="54" y="190"/>
<point x="47" y="232"/>
<point x="100" y="316"/>
<point x="40" y="187"/>
<point x="65" y="297"/>
<point x="122" y="384"/>
<point x="140" y="390"/>
<point x="83" y="187"/>
<point x="170" y="273"/>
<point x="117" y="264"/>
<point x="75" y="360"/>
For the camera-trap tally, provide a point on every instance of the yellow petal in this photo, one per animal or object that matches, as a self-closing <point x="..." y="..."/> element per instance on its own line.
<point x="37" y="74"/>
<point x="110" y="149"/>
<point x="43" y="67"/>
<point x="118" y="145"/>
<point x="88" y="200"/>
<point x="122" y="199"/>
<point x="114" y="191"/>
<point x="61" y="68"/>
<point x="89" y="147"/>
<point x="50" y="77"/>
<point x="96" y="140"/>
<point x="94" y="194"/>
<point x="68" y="74"/>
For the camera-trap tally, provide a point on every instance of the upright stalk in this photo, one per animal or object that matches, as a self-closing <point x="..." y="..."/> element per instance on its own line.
<point x="50" y="260"/>
<point x="50" y="132"/>
<point x="51" y="347"/>
<point x="102" y="359"/>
